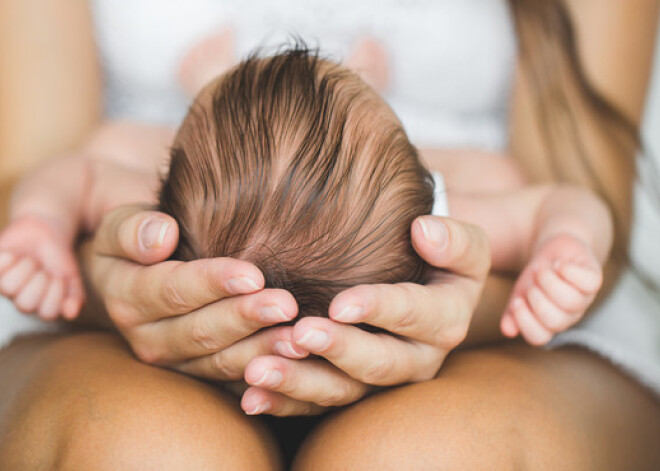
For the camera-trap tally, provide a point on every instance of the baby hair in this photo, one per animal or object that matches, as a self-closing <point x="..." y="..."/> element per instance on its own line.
<point x="293" y="163"/>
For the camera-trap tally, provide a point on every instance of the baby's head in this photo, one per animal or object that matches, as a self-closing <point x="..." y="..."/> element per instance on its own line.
<point x="292" y="163"/>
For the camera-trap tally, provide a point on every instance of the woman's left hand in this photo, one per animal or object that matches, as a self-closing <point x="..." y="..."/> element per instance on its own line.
<point x="427" y="322"/>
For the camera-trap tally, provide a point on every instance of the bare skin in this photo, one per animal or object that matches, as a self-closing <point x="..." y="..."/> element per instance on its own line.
<point x="89" y="404"/>
<point x="580" y="388"/>
<point x="508" y="407"/>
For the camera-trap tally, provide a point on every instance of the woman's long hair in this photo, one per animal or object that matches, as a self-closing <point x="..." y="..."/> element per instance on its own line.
<point x="564" y="102"/>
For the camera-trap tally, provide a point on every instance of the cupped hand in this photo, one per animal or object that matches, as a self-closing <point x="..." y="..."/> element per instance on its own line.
<point x="425" y="322"/>
<point x="200" y="317"/>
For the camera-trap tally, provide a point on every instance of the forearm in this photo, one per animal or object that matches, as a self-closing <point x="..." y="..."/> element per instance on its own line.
<point x="54" y="193"/>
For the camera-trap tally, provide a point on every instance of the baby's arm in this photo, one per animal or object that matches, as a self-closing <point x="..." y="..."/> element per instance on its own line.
<point x="37" y="265"/>
<point x="560" y="236"/>
<point x="64" y="197"/>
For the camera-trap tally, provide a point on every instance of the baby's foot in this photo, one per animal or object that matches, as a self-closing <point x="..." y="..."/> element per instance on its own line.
<point x="206" y="60"/>
<point x="553" y="291"/>
<point x="38" y="269"/>
<point x="369" y="60"/>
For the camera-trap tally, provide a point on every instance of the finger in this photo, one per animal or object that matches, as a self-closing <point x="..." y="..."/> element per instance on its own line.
<point x="16" y="276"/>
<point x="565" y="296"/>
<point x="315" y="381"/>
<point x="213" y="327"/>
<point x="173" y="288"/>
<point x="29" y="298"/>
<point x="444" y="243"/>
<point x="51" y="304"/>
<point x="229" y="364"/>
<point x="258" y="401"/>
<point x="585" y="279"/>
<point x="508" y="325"/>
<point x="75" y="297"/>
<point x="6" y="260"/>
<point x="530" y="328"/>
<point x="378" y="359"/>
<point x="437" y="315"/>
<point x="135" y="233"/>
<point x="548" y="314"/>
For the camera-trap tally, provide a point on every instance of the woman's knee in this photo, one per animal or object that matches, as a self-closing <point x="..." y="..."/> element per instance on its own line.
<point x="440" y="424"/>
<point x="487" y="410"/>
<point x="90" y="405"/>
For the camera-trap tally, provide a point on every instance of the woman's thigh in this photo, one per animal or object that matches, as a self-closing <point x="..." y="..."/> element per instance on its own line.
<point x="510" y="407"/>
<point x="83" y="402"/>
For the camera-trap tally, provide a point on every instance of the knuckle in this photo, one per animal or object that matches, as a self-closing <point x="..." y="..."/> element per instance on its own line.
<point x="172" y="297"/>
<point x="455" y="334"/>
<point x="147" y="353"/>
<point x="572" y="303"/>
<point x="379" y="372"/>
<point x="305" y="408"/>
<point x="224" y="368"/>
<point x="201" y="333"/>
<point x="123" y="315"/>
<point x="407" y="316"/>
<point x="336" y="396"/>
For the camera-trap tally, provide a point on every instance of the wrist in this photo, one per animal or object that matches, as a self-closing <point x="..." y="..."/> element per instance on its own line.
<point x="45" y="221"/>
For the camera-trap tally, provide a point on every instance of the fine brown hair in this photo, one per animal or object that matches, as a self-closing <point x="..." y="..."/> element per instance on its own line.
<point x="292" y="163"/>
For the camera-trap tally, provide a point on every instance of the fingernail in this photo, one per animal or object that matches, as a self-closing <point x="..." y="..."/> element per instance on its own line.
<point x="273" y="313"/>
<point x="241" y="285"/>
<point x="285" y="348"/>
<point x="434" y="230"/>
<point x="315" y="340"/>
<point x="258" y="409"/>
<point x="349" y="314"/>
<point x="5" y="260"/>
<point x="153" y="232"/>
<point x="270" y="378"/>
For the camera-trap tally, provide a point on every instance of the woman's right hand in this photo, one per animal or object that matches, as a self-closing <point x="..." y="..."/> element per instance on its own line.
<point x="200" y="317"/>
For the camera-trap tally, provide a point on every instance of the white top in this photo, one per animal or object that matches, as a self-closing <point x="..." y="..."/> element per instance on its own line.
<point x="451" y="60"/>
<point x="451" y="73"/>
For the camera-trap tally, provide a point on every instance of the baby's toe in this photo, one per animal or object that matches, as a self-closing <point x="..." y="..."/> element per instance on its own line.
<point x="29" y="297"/>
<point x="52" y="300"/>
<point x="547" y="312"/>
<point x="530" y="328"/>
<point x="562" y="294"/>
<point x="588" y="280"/>
<point x="16" y="276"/>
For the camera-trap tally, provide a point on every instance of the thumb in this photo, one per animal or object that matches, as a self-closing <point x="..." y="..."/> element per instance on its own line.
<point x="136" y="233"/>
<point x="458" y="247"/>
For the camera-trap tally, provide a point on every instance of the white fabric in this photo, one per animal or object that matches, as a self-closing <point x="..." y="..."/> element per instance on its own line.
<point x="14" y="323"/>
<point x="440" y="200"/>
<point x="451" y="60"/>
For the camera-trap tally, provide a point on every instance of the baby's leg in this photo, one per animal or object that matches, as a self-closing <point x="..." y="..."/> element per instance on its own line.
<point x="554" y="291"/>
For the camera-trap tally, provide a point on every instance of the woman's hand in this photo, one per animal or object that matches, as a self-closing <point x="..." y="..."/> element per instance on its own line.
<point x="196" y="317"/>
<point x="427" y="321"/>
